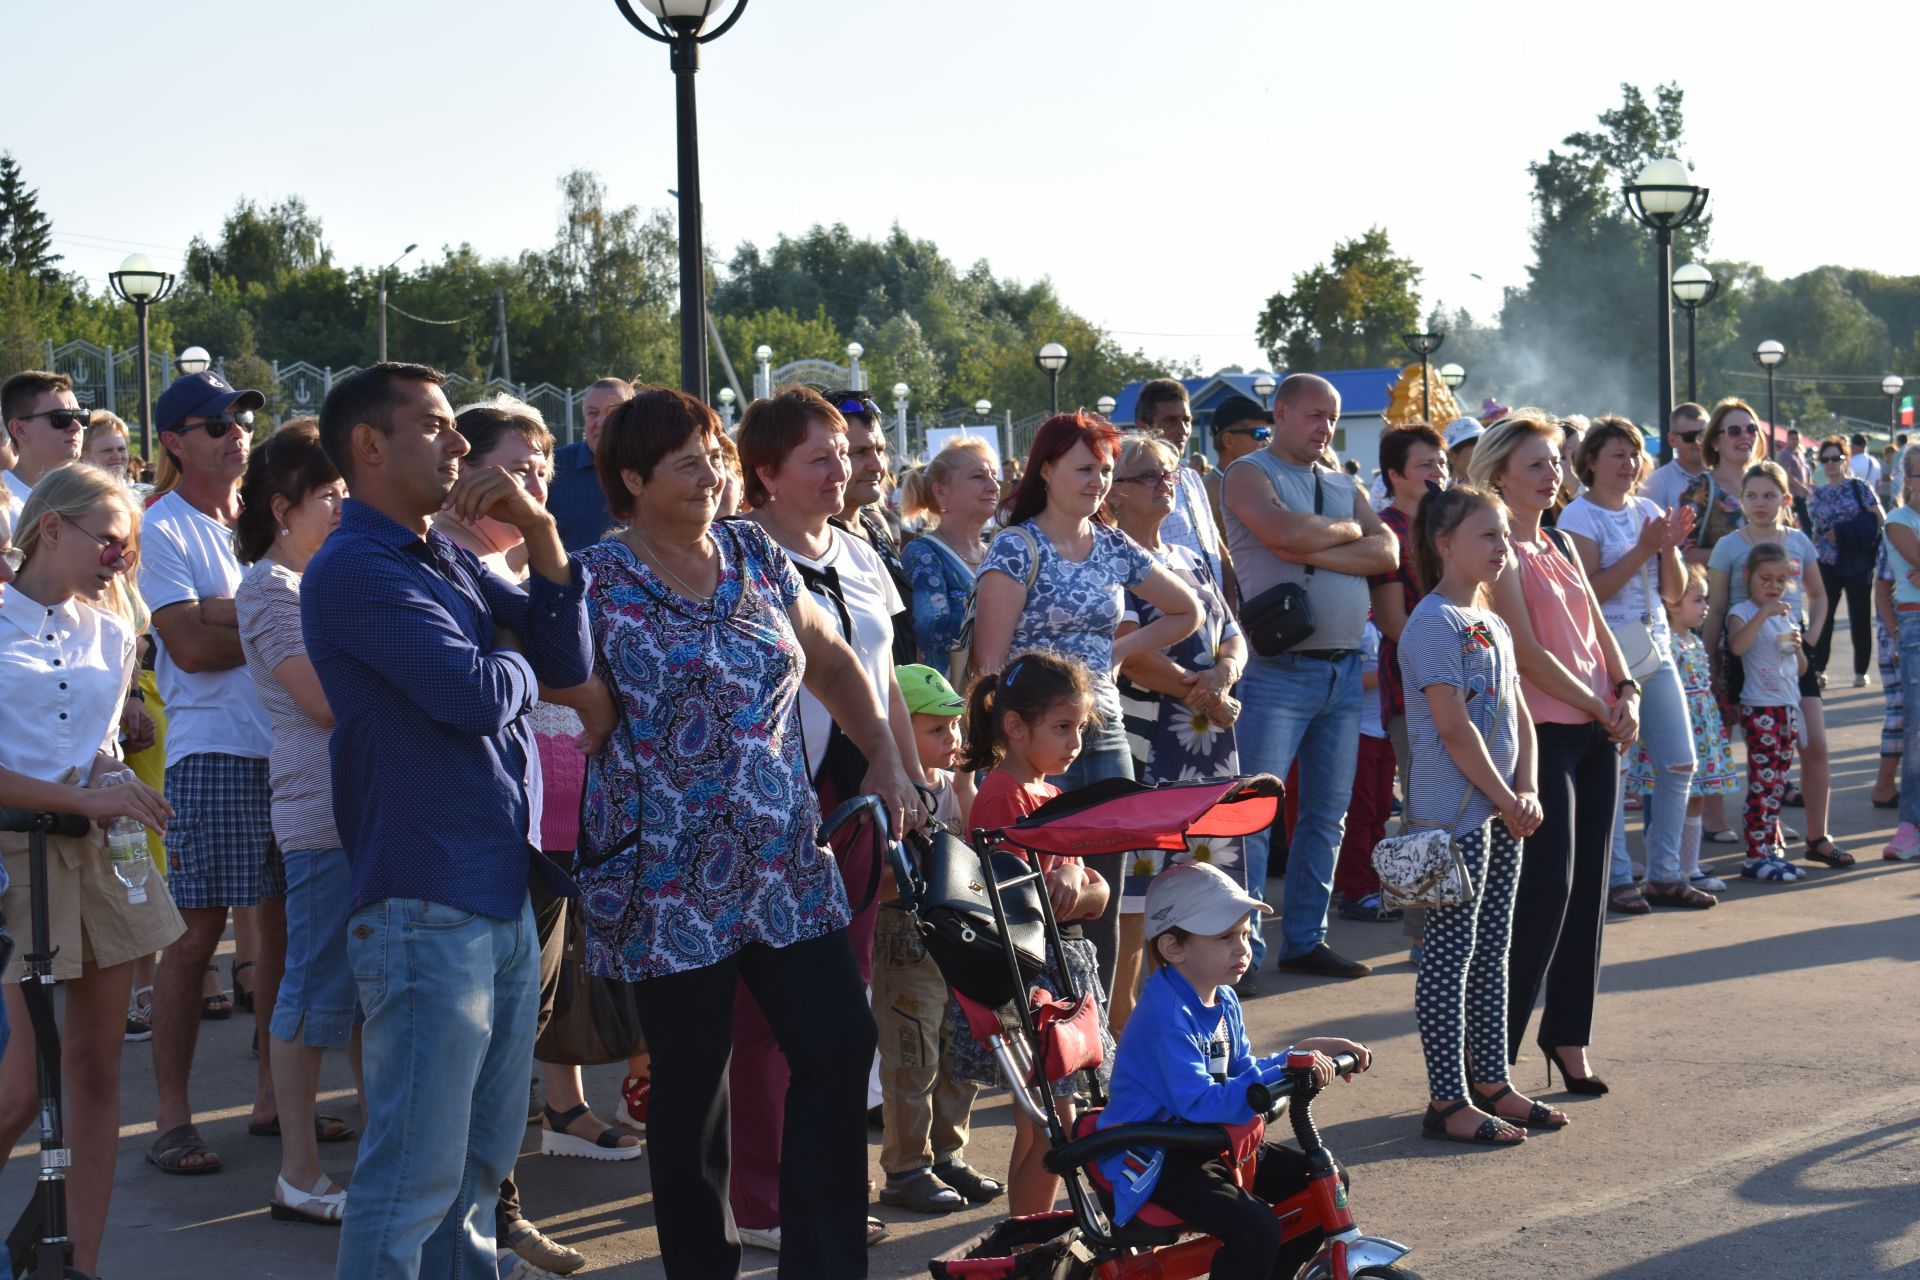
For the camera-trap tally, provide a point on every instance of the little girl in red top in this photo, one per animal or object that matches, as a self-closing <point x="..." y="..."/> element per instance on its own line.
<point x="1025" y="725"/>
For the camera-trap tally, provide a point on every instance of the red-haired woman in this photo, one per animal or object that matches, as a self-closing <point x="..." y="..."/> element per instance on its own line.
<point x="1054" y="579"/>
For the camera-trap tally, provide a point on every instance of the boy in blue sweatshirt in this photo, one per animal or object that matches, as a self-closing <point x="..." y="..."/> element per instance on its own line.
<point x="1185" y="1056"/>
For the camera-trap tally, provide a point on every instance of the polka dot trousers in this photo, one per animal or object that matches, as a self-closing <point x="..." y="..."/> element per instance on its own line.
<point x="1461" y="997"/>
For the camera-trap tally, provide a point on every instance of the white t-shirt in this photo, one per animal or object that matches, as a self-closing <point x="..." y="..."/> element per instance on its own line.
<point x="19" y="488"/>
<point x="871" y="600"/>
<point x="1614" y="533"/>
<point x="1771" y="676"/>
<point x="1668" y="481"/>
<point x="1860" y="464"/>
<point x="188" y="555"/>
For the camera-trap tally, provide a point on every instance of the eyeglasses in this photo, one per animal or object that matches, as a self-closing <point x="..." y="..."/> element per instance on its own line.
<point x="60" y="419"/>
<point x="1833" y="457"/>
<point x="1737" y="431"/>
<point x="217" y="425"/>
<point x="1688" y="437"/>
<point x="864" y="407"/>
<point x="1158" y="479"/>
<point x="113" y="551"/>
<point x="1261" y="434"/>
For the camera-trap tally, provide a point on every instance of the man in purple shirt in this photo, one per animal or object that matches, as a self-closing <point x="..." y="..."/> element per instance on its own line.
<point x="430" y="663"/>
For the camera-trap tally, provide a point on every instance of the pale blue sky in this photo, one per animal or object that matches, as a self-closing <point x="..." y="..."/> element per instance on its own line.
<point x="1169" y="163"/>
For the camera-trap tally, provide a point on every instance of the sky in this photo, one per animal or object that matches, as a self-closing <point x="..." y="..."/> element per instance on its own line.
<point x="1169" y="164"/>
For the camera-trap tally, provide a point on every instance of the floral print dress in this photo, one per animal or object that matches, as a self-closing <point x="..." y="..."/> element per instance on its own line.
<point x="1715" y="773"/>
<point x="696" y="831"/>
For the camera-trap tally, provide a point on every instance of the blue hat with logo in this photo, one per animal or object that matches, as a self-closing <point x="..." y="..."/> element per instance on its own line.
<point x="200" y="395"/>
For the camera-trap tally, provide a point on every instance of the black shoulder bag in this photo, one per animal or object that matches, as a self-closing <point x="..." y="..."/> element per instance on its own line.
<point x="1281" y="616"/>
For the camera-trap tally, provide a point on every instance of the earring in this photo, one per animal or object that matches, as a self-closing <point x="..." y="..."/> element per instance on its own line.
<point x="284" y="532"/>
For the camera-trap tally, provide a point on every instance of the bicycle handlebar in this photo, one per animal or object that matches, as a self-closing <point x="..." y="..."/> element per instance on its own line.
<point x="56" y="824"/>
<point x="1296" y="1083"/>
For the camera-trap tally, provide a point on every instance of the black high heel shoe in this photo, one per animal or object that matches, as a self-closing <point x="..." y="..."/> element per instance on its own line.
<point x="1589" y="1085"/>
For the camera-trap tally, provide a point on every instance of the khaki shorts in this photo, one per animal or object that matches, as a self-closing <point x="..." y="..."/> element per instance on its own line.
<point x="88" y="914"/>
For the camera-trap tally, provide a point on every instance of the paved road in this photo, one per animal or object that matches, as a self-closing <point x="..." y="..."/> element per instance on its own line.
<point x="1764" y="1120"/>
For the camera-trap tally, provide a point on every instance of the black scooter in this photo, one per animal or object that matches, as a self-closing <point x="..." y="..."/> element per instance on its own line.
<point x="38" y="1247"/>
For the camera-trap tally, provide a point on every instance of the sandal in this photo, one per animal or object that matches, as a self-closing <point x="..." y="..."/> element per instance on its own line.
<point x="172" y="1149"/>
<point x="325" y="1129"/>
<point x="321" y="1208"/>
<point x="1539" y="1114"/>
<point x="969" y="1182"/>
<point x="1888" y="804"/>
<point x="1679" y="894"/>
<point x="140" y="1014"/>
<point x="1728" y="836"/>
<point x="922" y="1192"/>
<point x="876" y="1231"/>
<point x="1493" y="1131"/>
<point x="242" y="998"/>
<point x="1832" y="854"/>
<point x="216" y="1007"/>
<point x="1628" y="901"/>
<point x="1794" y="799"/>
<point x="609" y="1144"/>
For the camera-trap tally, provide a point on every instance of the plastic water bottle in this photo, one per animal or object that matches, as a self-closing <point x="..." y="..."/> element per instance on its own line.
<point x="127" y="847"/>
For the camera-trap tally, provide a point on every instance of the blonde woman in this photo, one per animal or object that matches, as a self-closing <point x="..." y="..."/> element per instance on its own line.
<point x="69" y="621"/>
<point x="956" y="495"/>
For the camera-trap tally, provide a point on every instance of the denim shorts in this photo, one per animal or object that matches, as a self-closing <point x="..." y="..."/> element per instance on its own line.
<point x="319" y="1004"/>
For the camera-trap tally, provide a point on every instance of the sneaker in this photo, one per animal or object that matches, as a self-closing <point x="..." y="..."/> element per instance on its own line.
<point x="1771" y="870"/>
<point x="1706" y="883"/>
<point x="540" y="1254"/>
<point x="632" y="1111"/>
<point x="518" y="1268"/>
<point x="767" y="1238"/>
<point x="1905" y="845"/>
<point x="1860" y="681"/>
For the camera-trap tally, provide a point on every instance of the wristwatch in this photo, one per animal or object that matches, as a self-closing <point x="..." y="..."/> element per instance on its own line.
<point x="1621" y="686"/>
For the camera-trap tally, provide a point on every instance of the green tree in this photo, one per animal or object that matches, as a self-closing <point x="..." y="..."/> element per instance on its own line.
<point x="259" y="246"/>
<point x="26" y="236"/>
<point x="1346" y="313"/>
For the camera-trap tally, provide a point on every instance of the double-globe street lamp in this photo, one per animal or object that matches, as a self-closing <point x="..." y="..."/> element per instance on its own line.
<point x="1051" y="360"/>
<point x="1768" y="355"/>
<point x="140" y="282"/>
<point x="1892" y="384"/>
<point x="1663" y="200"/>
<point x="679" y="24"/>
<point x="1424" y="345"/>
<point x="1693" y="288"/>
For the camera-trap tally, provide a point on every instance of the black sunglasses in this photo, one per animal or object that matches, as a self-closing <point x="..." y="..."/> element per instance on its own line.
<point x="217" y="425"/>
<point x="1833" y="457"/>
<point x="60" y="419"/>
<point x="1688" y="436"/>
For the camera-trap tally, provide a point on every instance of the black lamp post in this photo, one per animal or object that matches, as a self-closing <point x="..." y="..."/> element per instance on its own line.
<point x="140" y="282"/>
<point x="1424" y="345"/>
<point x="1663" y="200"/>
<point x="1051" y="360"/>
<point x="1767" y="355"/>
<point x="678" y="24"/>
<point x="1693" y="288"/>
<point x="1892" y="384"/>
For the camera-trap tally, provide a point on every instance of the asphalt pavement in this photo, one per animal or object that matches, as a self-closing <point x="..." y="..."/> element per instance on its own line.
<point x="1764" y="1119"/>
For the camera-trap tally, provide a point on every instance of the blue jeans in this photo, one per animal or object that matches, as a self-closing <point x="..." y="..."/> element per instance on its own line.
<point x="1103" y="754"/>
<point x="1666" y="730"/>
<point x="1305" y="708"/>
<point x="1909" y="639"/>
<point x="450" y="1000"/>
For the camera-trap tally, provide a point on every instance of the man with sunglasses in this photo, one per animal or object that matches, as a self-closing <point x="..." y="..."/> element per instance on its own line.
<point x="1670" y="480"/>
<point x="45" y="424"/>
<point x="1239" y="427"/>
<point x="220" y="844"/>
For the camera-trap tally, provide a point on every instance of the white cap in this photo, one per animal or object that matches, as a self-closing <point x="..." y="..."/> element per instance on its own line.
<point x="1197" y="897"/>
<point x="1461" y="430"/>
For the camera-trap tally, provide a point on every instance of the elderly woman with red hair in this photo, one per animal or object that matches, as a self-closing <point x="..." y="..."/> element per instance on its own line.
<point x="1055" y="579"/>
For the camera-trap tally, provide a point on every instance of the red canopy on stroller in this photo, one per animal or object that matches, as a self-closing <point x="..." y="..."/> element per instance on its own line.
<point x="1120" y="815"/>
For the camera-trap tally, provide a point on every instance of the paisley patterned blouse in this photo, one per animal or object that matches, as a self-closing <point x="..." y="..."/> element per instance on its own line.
<point x="696" y="833"/>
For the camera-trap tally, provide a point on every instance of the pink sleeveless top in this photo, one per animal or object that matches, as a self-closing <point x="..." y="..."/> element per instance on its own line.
<point x="1564" y="625"/>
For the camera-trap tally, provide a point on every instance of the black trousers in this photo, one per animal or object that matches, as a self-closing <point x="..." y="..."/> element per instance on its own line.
<point x="1561" y="904"/>
<point x="1859" y="596"/>
<point x="814" y="1001"/>
<point x="1201" y="1189"/>
<point x="549" y="915"/>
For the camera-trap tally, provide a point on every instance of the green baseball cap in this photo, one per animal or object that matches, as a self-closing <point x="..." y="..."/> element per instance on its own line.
<point x="927" y="692"/>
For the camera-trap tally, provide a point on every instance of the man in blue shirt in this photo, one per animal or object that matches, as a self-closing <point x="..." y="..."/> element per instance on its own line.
<point x="430" y="663"/>
<point x="574" y="497"/>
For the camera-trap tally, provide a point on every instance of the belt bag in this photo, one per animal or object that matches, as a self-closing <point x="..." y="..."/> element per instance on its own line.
<point x="1425" y="868"/>
<point x="1281" y="616"/>
<point x="1637" y="645"/>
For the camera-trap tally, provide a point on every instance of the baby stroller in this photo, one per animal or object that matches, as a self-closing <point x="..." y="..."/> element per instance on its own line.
<point x="985" y="917"/>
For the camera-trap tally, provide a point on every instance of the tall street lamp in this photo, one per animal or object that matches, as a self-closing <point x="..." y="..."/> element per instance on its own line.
<point x="193" y="360"/>
<point x="1891" y="384"/>
<point x="140" y="282"/>
<point x="383" y="298"/>
<point x="1424" y="345"/>
<point x="726" y="407"/>
<point x="763" y="375"/>
<point x="1105" y="406"/>
<point x="1263" y="385"/>
<point x="1050" y="360"/>
<point x="1453" y="375"/>
<point x="1663" y="200"/>
<point x="678" y="24"/>
<point x="1767" y="355"/>
<point x="856" y="381"/>
<point x="1693" y="288"/>
<point x="900" y="392"/>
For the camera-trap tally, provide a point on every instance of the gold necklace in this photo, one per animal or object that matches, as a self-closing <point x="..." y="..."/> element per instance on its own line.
<point x="660" y="563"/>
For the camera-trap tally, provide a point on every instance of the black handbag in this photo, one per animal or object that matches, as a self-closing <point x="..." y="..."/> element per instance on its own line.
<point x="1281" y="616"/>
<point x="950" y="901"/>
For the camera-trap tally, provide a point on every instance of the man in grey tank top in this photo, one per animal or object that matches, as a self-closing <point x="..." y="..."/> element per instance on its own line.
<point x="1305" y="703"/>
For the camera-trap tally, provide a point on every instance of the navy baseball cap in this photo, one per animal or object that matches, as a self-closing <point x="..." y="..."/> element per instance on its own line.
<point x="1235" y="410"/>
<point x="199" y="395"/>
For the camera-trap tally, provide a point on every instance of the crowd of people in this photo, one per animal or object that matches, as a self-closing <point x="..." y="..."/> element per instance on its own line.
<point x="643" y="665"/>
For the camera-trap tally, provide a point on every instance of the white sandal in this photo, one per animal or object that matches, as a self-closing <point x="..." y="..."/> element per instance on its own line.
<point x="321" y="1208"/>
<point x="140" y="1015"/>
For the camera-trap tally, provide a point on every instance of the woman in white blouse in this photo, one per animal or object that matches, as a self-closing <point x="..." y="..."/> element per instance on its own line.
<point x="69" y="622"/>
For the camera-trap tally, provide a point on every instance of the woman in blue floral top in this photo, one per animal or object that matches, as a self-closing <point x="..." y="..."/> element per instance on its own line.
<point x="957" y="495"/>
<point x="698" y="868"/>
<point x="1055" y="579"/>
